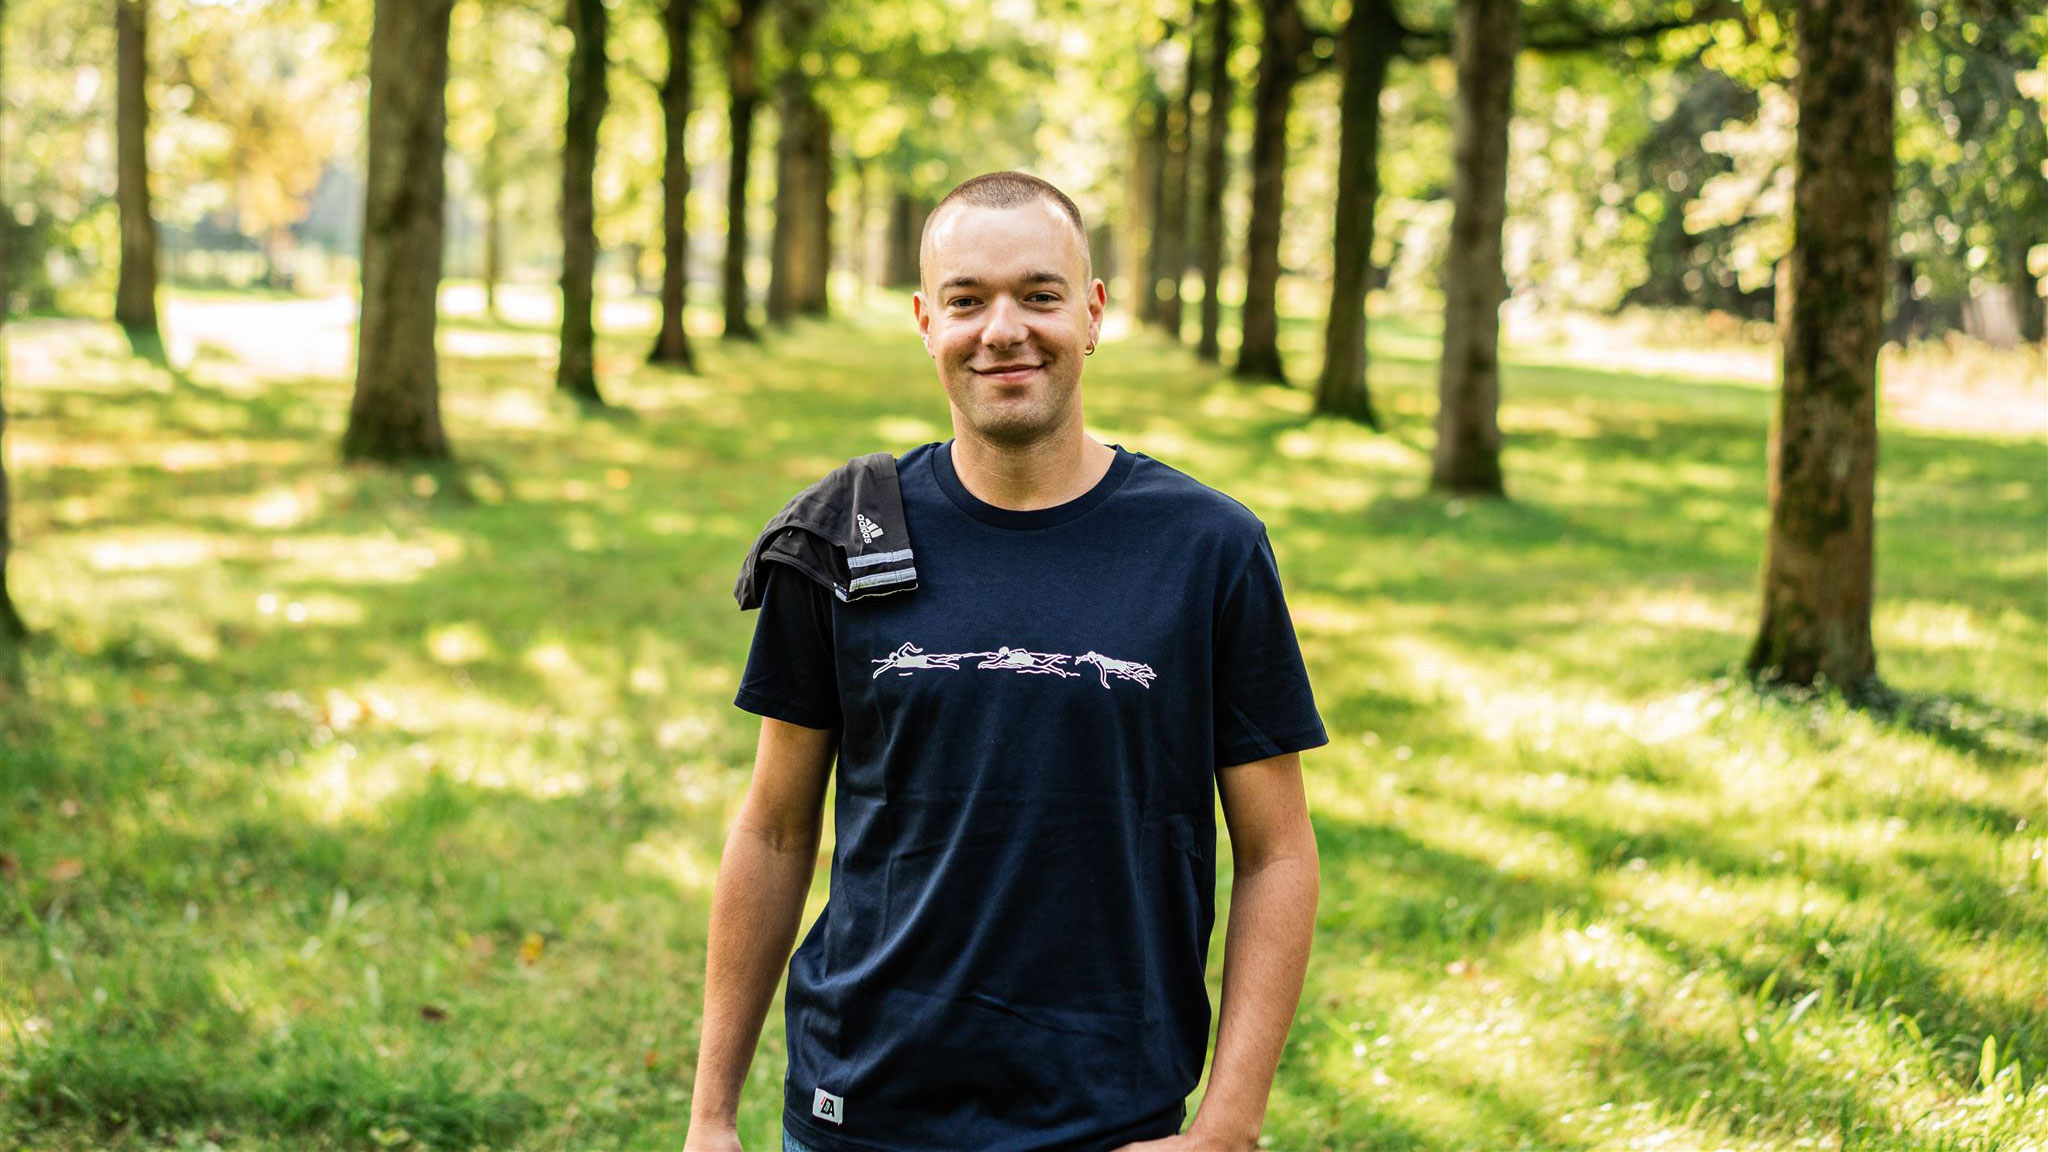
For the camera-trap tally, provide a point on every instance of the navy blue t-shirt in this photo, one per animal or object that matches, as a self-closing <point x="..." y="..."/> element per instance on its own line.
<point x="1024" y="882"/>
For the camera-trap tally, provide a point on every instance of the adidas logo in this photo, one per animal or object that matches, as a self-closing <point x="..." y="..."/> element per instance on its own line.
<point x="868" y="528"/>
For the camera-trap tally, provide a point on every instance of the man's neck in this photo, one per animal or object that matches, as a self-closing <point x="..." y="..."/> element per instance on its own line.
<point x="1023" y="477"/>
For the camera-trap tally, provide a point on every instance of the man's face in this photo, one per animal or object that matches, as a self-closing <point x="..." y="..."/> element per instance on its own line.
<point x="1007" y="313"/>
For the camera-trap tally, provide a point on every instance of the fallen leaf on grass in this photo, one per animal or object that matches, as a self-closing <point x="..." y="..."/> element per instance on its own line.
<point x="66" y="869"/>
<point x="530" y="949"/>
<point x="433" y="1015"/>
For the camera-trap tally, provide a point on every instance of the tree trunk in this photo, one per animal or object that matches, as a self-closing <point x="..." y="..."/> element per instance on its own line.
<point x="743" y="80"/>
<point x="672" y="345"/>
<point x="1215" y="175"/>
<point x="906" y="232"/>
<point x="785" y="237"/>
<point x="494" y="244"/>
<point x="815" y="299"/>
<point x="857" y="235"/>
<point x="801" y="245"/>
<point x="1486" y="38"/>
<point x="2028" y="298"/>
<point x="396" y="413"/>
<point x="1173" y="198"/>
<point x="2026" y="288"/>
<point x="491" y="176"/>
<point x="576" y="372"/>
<point x="1823" y="449"/>
<point x="1280" y="47"/>
<point x="1152" y="177"/>
<point x="12" y="628"/>
<point x="135" y="297"/>
<point x="1370" y="37"/>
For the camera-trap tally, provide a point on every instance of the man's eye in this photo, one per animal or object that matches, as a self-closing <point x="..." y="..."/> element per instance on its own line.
<point x="1044" y="297"/>
<point x="961" y="302"/>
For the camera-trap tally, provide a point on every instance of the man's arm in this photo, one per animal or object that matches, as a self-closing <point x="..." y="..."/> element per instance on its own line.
<point x="757" y="905"/>
<point x="1265" y="949"/>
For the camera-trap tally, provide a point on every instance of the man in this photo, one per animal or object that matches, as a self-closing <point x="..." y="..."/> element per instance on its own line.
<point x="1030" y="745"/>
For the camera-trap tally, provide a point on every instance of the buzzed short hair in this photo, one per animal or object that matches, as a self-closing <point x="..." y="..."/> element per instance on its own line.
<point x="1005" y="190"/>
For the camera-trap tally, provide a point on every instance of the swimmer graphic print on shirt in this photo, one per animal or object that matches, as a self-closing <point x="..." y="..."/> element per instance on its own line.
<point x="909" y="658"/>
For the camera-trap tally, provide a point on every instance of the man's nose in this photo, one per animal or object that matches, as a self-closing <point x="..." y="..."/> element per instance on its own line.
<point x="1005" y="323"/>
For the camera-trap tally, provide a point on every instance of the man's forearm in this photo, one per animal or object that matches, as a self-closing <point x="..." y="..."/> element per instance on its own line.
<point x="756" y="907"/>
<point x="1265" y="956"/>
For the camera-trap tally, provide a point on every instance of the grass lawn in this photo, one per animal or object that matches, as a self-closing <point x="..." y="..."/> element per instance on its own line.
<point x="342" y="808"/>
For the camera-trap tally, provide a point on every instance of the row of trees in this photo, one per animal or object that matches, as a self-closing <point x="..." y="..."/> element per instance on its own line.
<point x="1183" y="90"/>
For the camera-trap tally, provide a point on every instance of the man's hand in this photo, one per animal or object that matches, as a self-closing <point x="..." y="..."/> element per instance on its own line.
<point x="756" y="906"/>
<point x="709" y="1137"/>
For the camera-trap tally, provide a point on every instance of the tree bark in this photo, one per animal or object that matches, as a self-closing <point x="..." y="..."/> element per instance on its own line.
<point x="135" y="296"/>
<point x="576" y="371"/>
<point x="857" y="246"/>
<point x="816" y="299"/>
<point x="1371" y="35"/>
<point x="12" y="628"/>
<point x="1215" y="175"/>
<point x="491" y="178"/>
<point x="1486" y="39"/>
<point x="744" y="83"/>
<point x="1823" y="450"/>
<point x="2026" y="288"/>
<point x="906" y="233"/>
<point x="396" y="413"/>
<point x="801" y="245"/>
<point x="1159" y="163"/>
<point x="1173" y="198"/>
<point x="1148" y="146"/>
<point x="1280" y="48"/>
<point x="494" y="244"/>
<point x="672" y="345"/>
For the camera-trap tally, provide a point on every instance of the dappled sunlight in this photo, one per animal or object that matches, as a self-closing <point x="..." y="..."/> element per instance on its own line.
<point x="258" y="341"/>
<point x="1685" y="607"/>
<point x="27" y="450"/>
<point x="73" y="356"/>
<point x="1349" y="445"/>
<point x="1578" y="423"/>
<point x="282" y="507"/>
<point x="903" y="433"/>
<point x="497" y="344"/>
<point x="686" y="861"/>
<point x="144" y="549"/>
<point x="460" y="642"/>
<point x="1931" y="625"/>
<point x="326" y="558"/>
<point x="338" y="782"/>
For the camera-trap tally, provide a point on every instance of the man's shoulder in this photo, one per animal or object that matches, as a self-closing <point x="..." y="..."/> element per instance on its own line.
<point x="1165" y="491"/>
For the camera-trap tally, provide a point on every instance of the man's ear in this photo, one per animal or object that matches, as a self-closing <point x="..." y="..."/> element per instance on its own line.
<point x="924" y="320"/>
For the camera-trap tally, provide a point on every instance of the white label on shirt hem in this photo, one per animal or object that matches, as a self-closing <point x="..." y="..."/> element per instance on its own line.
<point x="826" y="1106"/>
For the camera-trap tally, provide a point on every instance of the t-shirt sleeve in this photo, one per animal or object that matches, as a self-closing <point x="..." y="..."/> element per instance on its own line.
<point x="791" y="673"/>
<point x="1264" y="706"/>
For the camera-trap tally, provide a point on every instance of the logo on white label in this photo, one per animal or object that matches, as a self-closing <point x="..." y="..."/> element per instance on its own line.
<point x="826" y="1106"/>
<point x="868" y="528"/>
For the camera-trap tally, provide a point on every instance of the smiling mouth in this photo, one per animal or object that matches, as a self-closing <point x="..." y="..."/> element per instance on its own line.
<point x="1009" y="371"/>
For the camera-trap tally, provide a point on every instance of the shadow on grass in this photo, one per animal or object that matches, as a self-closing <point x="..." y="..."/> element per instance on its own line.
<point x="1963" y="722"/>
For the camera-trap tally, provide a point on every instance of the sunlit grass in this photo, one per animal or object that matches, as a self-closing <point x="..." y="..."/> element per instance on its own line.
<point x="348" y="808"/>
